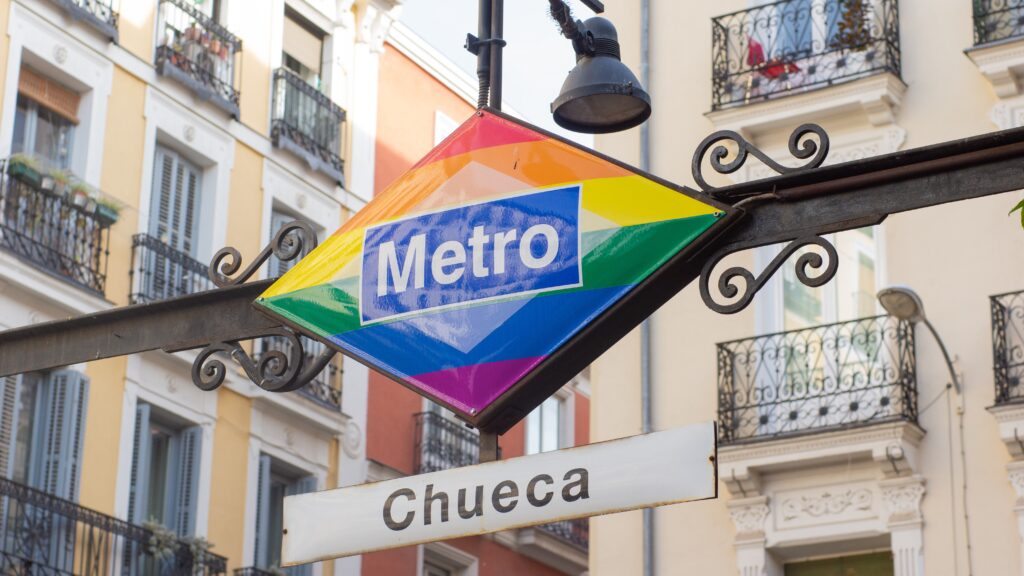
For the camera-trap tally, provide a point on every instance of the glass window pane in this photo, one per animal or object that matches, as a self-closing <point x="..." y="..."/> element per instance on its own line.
<point x="533" y="432"/>
<point x="160" y="453"/>
<point x="53" y="139"/>
<point x="277" y="492"/>
<point x="23" y="446"/>
<point x="21" y="112"/>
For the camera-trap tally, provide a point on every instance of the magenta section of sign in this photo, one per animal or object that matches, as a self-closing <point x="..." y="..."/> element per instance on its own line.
<point x="473" y="388"/>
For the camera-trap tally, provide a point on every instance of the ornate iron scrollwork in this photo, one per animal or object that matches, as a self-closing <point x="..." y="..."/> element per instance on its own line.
<point x="800" y="146"/>
<point x="275" y="369"/>
<point x="811" y="269"/>
<point x="289" y="243"/>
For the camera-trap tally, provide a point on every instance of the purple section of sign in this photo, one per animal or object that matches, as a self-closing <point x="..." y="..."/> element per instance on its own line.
<point x="485" y="382"/>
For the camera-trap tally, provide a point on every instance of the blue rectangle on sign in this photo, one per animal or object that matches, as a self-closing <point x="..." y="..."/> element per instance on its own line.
<point x="518" y="245"/>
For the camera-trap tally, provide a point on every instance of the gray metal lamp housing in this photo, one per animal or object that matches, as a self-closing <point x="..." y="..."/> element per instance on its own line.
<point x="601" y="94"/>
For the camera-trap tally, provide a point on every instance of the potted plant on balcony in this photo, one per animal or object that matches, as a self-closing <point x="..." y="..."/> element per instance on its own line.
<point x="852" y="34"/>
<point x="61" y="182"/>
<point x="24" y="167"/>
<point x="107" y="210"/>
<point x="80" y="193"/>
<point x="163" y="543"/>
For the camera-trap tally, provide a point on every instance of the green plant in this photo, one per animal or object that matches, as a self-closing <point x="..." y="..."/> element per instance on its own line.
<point x="61" y="177"/>
<point x="1019" y="208"/>
<point x="25" y="160"/>
<point x="163" y="543"/>
<point x="200" y="548"/>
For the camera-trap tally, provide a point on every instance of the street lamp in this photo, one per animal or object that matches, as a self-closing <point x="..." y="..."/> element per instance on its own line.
<point x="903" y="303"/>
<point x="601" y="94"/>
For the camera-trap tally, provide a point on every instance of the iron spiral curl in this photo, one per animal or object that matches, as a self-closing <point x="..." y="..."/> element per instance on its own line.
<point x="801" y="146"/>
<point x="811" y="269"/>
<point x="293" y="240"/>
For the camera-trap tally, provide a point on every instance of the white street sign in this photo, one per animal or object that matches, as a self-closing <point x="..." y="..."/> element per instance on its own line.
<point x="639" y="472"/>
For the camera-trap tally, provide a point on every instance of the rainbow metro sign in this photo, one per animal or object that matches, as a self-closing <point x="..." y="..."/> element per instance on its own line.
<point x="497" y="268"/>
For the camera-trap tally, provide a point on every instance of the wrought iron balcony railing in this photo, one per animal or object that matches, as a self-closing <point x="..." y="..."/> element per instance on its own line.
<point x="51" y="230"/>
<point x="45" y="535"/>
<point x="822" y="378"/>
<point x="796" y="45"/>
<point x="198" y="52"/>
<point x="99" y="14"/>
<point x="996" y="20"/>
<point x="253" y="571"/>
<point x="307" y="123"/>
<point x="1008" y="346"/>
<point x="575" y="532"/>
<point x="442" y="443"/>
<point x="160" y="272"/>
<point x="325" y="388"/>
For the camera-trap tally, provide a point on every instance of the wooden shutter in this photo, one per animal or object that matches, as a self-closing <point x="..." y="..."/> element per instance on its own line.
<point x="58" y="433"/>
<point x="188" y="481"/>
<point x="277" y="221"/>
<point x="175" y="204"/>
<point x="10" y="392"/>
<point x="139" y="492"/>
<point x="262" y="558"/>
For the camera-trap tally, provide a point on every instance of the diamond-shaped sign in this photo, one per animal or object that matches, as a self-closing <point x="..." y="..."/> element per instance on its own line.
<point x="499" y="266"/>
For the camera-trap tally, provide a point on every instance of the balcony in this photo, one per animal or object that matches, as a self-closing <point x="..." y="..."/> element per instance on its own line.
<point x="575" y="532"/>
<point x="308" y="124"/>
<point x="45" y="535"/>
<point x="442" y="444"/>
<point x="828" y="377"/>
<point x="53" y="229"/>
<point x="1008" y="346"/>
<point x="160" y="272"/>
<point x="325" y="388"/>
<point x="795" y="46"/>
<point x="97" y="13"/>
<point x="996" y="20"/>
<point x="199" y="53"/>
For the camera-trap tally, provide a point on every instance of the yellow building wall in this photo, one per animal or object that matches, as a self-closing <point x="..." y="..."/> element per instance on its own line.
<point x="230" y="463"/>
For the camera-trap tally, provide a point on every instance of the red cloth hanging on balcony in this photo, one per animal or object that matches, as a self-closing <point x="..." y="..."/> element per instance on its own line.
<point x="755" y="53"/>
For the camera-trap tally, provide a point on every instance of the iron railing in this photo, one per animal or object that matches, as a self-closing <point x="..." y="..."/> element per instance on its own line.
<point x="254" y="571"/>
<point x="796" y="45"/>
<point x="98" y="13"/>
<point x="575" y="532"/>
<point x="198" y="52"/>
<point x="1008" y="346"/>
<point x="996" y="20"/>
<point x="41" y="534"/>
<point x="306" y="122"/>
<point x="325" y="388"/>
<point x="160" y="272"/>
<point x="442" y="444"/>
<point x="52" y="230"/>
<point x="827" y="377"/>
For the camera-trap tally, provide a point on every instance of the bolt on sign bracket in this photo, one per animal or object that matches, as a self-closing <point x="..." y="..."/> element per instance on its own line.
<point x="499" y="267"/>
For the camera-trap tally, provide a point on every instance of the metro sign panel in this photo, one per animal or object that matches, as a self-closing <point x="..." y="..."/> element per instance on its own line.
<point x="501" y="264"/>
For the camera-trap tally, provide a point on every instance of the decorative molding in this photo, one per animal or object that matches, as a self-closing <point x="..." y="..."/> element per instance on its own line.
<point x="1002" y="65"/>
<point x="352" y="439"/>
<point x="375" y="20"/>
<point x="827" y="503"/>
<point x="902" y="499"/>
<point x="750" y="515"/>
<point x="878" y="96"/>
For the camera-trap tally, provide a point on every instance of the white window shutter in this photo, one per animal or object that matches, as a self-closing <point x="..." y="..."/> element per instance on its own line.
<point x="139" y="493"/>
<point x="277" y="221"/>
<point x="188" y="481"/>
<point x="10" y="392"/>
<point x="263" y="513"/>
<point x="58" y="434"/>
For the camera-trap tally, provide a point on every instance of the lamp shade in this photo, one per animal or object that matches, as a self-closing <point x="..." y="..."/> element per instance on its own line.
<point x="601" y="94"/>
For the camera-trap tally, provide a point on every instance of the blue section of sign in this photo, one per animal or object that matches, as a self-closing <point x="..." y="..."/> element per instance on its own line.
<point x="525" y="244"/>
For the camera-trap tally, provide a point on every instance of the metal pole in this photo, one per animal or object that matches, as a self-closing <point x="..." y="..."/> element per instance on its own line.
<point x="489" y="450"/>
<point x="645" y="327"/>
<point x="498" y="42"/>
<point x="483" y="55"/>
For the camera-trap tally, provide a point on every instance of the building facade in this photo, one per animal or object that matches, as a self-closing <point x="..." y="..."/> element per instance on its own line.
<point x="842" y="447"/>
<point x="138" y="139"/>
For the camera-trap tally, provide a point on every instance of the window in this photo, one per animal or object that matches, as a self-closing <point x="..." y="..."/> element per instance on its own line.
<point x="277" y="221"/>
<point x="303" y="48"/>
<point x="545" y="426"/>
<point x="863" y="565"/>
<point x="174" y="210"/>
<point x="165" y="471"/>
<point x="42" y="422"/>
<point x="211" y="8"/>
<point x="445" y="560"/>
<point x="431" y="569"/>
<point x="276" y="481"/>
<point x="44" y="120"/>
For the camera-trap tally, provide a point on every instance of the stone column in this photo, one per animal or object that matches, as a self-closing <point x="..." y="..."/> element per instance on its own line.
<point x="902" y="498"/>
